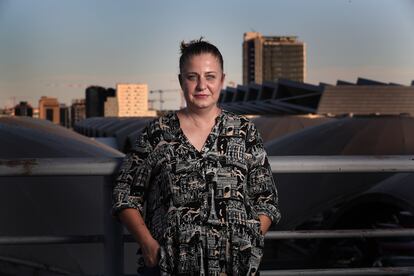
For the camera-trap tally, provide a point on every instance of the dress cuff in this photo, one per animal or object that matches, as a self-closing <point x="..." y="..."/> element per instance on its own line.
<point x="124" y="201"/>
<point x="270" y="211"/>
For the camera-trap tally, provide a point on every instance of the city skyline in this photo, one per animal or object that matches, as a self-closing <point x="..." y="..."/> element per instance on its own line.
<point x="57" y="49"/>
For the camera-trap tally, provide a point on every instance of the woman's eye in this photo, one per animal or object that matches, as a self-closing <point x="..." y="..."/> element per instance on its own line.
<point x="191" y="77"/>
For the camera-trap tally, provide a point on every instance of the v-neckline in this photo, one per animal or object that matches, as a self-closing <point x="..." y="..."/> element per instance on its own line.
<point x="209" y="138"/>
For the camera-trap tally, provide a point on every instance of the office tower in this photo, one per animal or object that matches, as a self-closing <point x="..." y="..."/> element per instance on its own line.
<point x="64" y="116"/>
<point x="23" y="109"/>
<point x="111" y="107"/>
<point x="95" y="100"/>
<point x="133" y="100"/>
<point x="77" y="111"/>
<point x="269" y="58"/>
<point x="49" y="109"/>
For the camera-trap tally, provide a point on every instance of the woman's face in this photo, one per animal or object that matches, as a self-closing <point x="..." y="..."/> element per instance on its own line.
<point x="201" y="81"/>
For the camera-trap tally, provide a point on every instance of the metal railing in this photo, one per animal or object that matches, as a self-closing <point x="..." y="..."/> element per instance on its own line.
<point x="113" y="238"/>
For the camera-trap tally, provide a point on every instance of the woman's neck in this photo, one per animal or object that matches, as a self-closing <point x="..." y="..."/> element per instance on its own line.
<point x="201" y="117"/>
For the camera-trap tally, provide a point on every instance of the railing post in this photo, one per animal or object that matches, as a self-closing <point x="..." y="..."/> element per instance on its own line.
<point x="113" y="241"/>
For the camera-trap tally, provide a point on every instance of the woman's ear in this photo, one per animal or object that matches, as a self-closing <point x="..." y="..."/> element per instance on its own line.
<point x="223" y="77"/>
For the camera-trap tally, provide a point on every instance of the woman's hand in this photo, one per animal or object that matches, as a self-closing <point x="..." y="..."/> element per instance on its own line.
<point x="150" y="247"/>
<point x="151" y="252"/>
<point x="265" y="223"/>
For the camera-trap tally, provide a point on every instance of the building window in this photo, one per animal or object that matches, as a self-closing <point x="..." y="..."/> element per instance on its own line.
<point x="49" y="114"/>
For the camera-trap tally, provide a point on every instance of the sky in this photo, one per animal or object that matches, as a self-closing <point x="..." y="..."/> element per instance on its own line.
<point x="58" y="48"/>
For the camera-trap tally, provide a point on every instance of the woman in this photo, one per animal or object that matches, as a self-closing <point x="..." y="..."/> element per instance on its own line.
<point x="204" y="178"/>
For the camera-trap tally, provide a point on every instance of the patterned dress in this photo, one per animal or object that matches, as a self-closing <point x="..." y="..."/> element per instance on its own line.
<point x="201" y="206"/>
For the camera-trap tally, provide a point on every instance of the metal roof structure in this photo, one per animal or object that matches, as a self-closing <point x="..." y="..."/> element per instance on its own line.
<point x="286" y="97"/>
<point x="124" y="130"/>
<point x="281" y="97"/>
<point x="25" y="137"/>
<point x="388" y="99"/>
<point x="275" y="127"/>
<point x="358" y="135"/>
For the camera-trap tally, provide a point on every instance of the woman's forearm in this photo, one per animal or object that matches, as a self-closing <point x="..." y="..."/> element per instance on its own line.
<point x="135" y="224"/>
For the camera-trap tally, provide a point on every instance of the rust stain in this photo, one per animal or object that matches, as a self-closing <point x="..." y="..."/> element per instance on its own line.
<point x="27" y="164"/>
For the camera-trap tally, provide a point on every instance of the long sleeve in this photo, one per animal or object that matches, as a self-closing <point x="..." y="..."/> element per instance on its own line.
<point x="133" y="177"/>
<point x="261" y="186"/>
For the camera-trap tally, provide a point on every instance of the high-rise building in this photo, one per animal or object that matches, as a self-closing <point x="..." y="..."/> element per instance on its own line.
<point x="133" y="100"/>
<point x="111" y="107"/>
<point x="49" y="109"/>
<point x="64" y="116"/>
<point x="95" y="100"/>
<point x="269" y="58"/>
<point x="23" y="109"/>
<point x="77" y="111"/>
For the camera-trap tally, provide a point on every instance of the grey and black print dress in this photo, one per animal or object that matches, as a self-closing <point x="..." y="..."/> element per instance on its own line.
<point x="201" y="206"/>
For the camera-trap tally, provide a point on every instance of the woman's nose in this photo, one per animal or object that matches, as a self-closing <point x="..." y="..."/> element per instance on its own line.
<point x="201" y="84"/>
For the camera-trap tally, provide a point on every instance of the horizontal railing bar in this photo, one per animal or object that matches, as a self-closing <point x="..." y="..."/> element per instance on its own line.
<point x="341" y="271"/>
<point x="341" y="164"/>
<point x="59" y="166"/>
<point x="279" y="164"/>
<point x="332" y="234"/>
<point x="271" y="235"/>
<point x="26" y="240"/>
